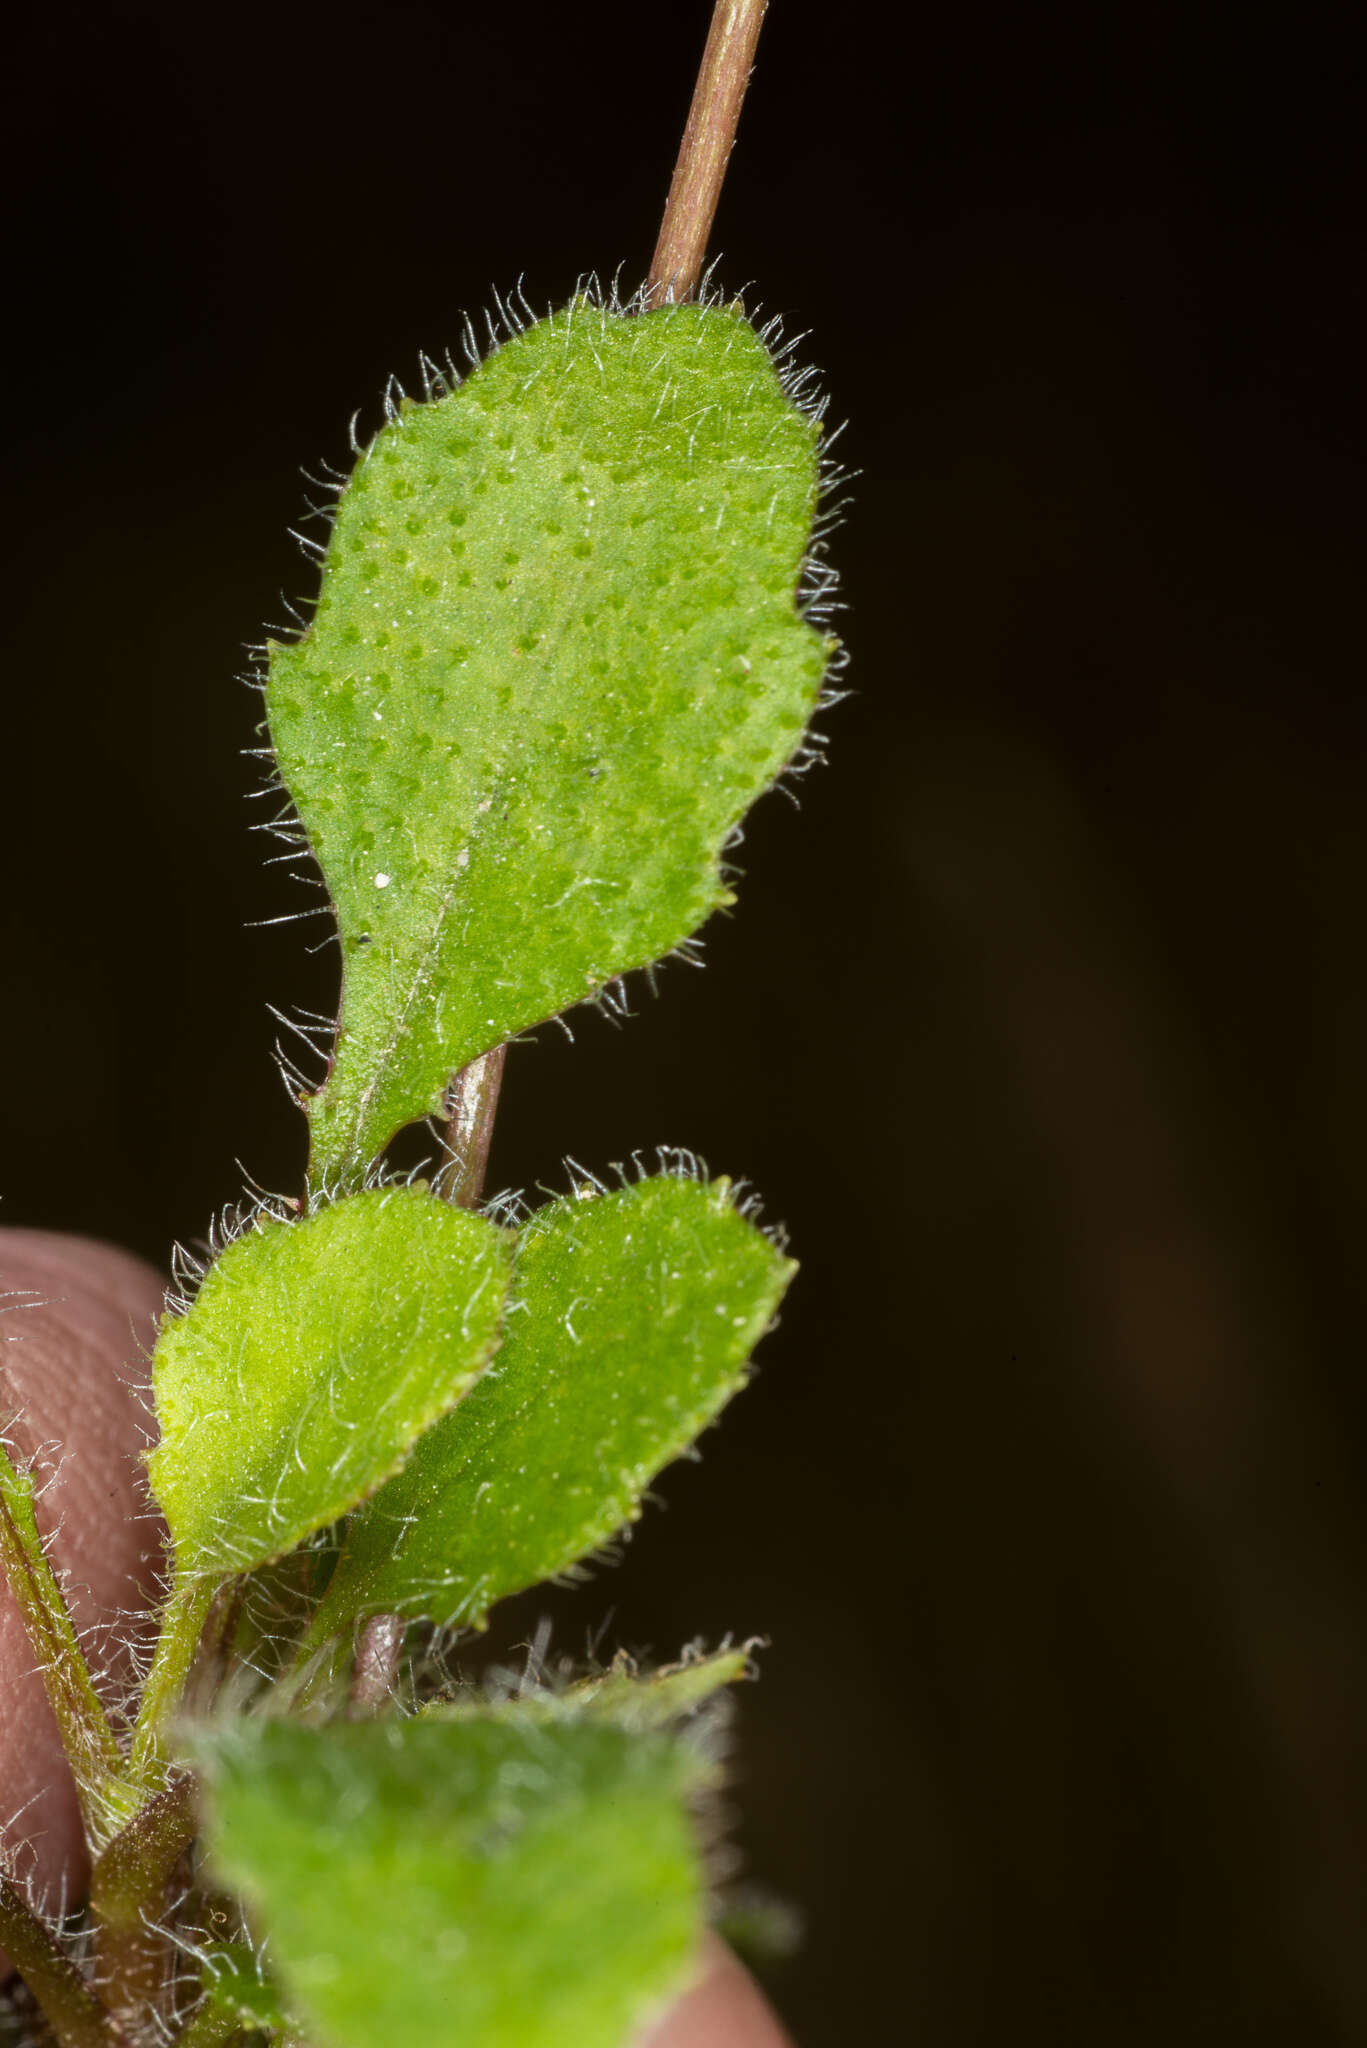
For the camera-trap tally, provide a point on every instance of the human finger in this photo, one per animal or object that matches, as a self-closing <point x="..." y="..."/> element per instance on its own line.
<point x="723" y="2009"/>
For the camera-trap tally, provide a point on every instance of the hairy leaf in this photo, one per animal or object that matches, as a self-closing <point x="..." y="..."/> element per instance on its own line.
<point x="476" y="1880"/>
<point x="652" y="1699"/>
<point x="632" y="1699"/>
<point x="556" y="657"/>
<point x="632" y="1317"/>
<point x="313" y="1355"/>
<point x="235" y="1983"/>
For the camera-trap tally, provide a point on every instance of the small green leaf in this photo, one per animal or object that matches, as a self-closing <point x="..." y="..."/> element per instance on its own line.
<point x="556" y="657"/>
<point x="653" y="1699"/>
<point x="632" y="1317"/>
<point x="313" y="1355"/>
<point x="475" y="1880"/>
<point x="631" y="1698"/>
<point x="233" y="1981"/>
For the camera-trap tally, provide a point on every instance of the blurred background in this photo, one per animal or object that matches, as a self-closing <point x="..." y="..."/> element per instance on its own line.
<point x="1039" y="1024"/>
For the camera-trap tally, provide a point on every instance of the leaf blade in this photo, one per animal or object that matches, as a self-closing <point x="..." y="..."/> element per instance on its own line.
<point x="556" y="657"/>
<point x="313" y="1356"/>
<point x="615" y="1356"/>
<point x="480" y="1881"/>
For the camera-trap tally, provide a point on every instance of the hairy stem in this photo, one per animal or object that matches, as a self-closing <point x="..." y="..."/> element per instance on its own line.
<point x="215" y="1649"/>
<point x="68" y="2004"/>
<point x="471" y="1105"/>
<point x="707" y="141"/>
<point x="182" y="1625"/>
<point x="128" y="1891"/>
<point x="92" y="1751"/>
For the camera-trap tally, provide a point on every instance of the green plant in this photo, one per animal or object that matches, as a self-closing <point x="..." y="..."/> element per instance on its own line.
<point x="561" y="644"/>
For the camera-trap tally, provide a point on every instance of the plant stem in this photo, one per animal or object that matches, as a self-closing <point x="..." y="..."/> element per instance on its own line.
<point x="471" y="1105"/>
<point x="68" y="2004"/>
<point x="215" y="1649"/>
<point x="127" y="1894"/>
<point x="96" y="1761"/>
<point x="708" y="137"/>
<point x="182" y="1625"/>
<point x="378" y="1655"/>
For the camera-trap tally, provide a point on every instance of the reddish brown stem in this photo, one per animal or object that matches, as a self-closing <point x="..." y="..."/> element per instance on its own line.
<point x="375" y="1671"/>
<point x="708" y="137"/>
<point x="471" y="1105"/>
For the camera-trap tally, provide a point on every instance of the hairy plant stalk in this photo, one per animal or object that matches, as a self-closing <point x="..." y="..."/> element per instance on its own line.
<point x="214" y="1658"/>
<point x="182" y="1626"/>
<point x="92" y="1751"/>
<point x="68" y="2004"/>
<point x="472" y="1103"/>
<point x="127" y="1894"/>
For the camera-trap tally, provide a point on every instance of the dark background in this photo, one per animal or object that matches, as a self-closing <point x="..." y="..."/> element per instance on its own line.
<point x="1040" y="1025"/>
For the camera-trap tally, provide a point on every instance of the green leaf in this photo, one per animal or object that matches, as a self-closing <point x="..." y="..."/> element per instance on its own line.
<point x="313" y="1355"/>
<point x="653" y="1699"/>
<point x="632" y="1317"/>
<point x="478" y="1880"/>
<point x="556" y="657"/>
<point x="633" y="1699"/>
<point x="234" y="1982"/>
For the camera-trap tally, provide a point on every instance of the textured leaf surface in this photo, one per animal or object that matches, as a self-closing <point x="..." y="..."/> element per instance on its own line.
<point x="632" y="1317"/>
<point x="630" y="1698"/>
<point x="312" y="1356"/>
<point x="556" y="657"/>
<point x="483" y="1880"/>
<point x="652" y="1699"/>
<point x="235" y="1983"/>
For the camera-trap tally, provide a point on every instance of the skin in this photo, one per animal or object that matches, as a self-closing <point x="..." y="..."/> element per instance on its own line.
<point x="77" y="1321"/>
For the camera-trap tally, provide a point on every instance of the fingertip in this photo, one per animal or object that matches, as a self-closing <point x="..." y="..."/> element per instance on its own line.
<point x="724" y="2008"/>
